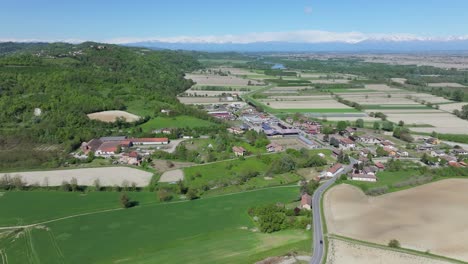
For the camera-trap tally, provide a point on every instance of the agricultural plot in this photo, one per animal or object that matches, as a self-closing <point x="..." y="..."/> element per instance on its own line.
<point x="109" y="176"/>
<point x="215" y="230"/>
<point x="172" y="176"/>
<point x="446" y="85"/>
<point x="111" y="116"/>
<point x="316" y="104"/>
<point x="442" y="122"/>
<point x="198" y="100"/>
<point x="218" y="93"/>
<point x="343" y="252"/>
<point x="175" y="122"/>
<point x="399" y="80"/>
<point x="428" y="217"/>
<point x="329" y="81"/>
<point x="217" y="80"/>
<point x="451" y="107"/>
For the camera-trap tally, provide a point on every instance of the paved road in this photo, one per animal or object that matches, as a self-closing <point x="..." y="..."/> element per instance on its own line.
<point x="317" y="216"/>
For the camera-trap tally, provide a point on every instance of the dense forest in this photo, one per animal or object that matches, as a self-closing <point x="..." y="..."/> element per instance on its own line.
<point x="46" y="90"/>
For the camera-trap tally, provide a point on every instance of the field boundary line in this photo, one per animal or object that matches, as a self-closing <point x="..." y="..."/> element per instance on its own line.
<point x="400" y="250"/>
<point x="58" y="219"/>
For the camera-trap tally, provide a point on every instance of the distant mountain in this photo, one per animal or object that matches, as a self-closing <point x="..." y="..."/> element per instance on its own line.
<point x="380" y="45"/>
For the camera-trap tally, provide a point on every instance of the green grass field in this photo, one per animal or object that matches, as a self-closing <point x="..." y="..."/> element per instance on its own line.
<point x="175" y="122"/>
<point x="387" y="178"/>
<point x="211" y="230"/>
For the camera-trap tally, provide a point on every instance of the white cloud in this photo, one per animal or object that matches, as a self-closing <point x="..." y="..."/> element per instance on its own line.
<point x="298" y="36"/>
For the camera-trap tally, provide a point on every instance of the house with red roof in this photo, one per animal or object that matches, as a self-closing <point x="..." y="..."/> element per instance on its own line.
<point x="346" y="143"/>
<point x="238" y="151"/>
<point x="333" y="171"/>
<point x="306" y="201"/>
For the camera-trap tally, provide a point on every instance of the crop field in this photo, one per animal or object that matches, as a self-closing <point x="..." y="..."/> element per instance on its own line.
<point x="442" y="122"/>
<point x="399" y="80"/>
<point x="316" y="104"/>
<point x="212" y="230"/>
<point x="299" y="97"/>
<point x="344" y="252"/>
<point x="428" y="217"/>
<point x="175" y="122"/>
<point x="198" y="100"/>
<point x="329" y="81"/>
<point x="446" y="85"/>
<point x="217" y="80"/>
<point x="201" y="92"/>
<point x="453" y="106"/>
<point x="172" y="176"/>
<point x="108" y="176"/>
<point x="111" y="116"/>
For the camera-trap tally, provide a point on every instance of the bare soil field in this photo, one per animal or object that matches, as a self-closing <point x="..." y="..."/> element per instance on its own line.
<point x="428" y="217"/>
<point x="443" y="122"/>
<point x="165" y="165"/>
<point x="198" y="100"/>
<point x="381" y="87"/>
<point x="343" y="252"/>
<point x="288" y="88"/>
<point x="324" y="104"/>
<point x="217" y="80"/>
<point x="300" y="97"/>
<point x="330" y="81"/>
<point x="293" y="143"/>
<point x="399" y="80"/>
<point x="110" y="116"/>
<point x="447" y="85"/>
<point x="353" y="118"/>
<point x="451" y="107"/>
<point x="108" y="176"/>
<point x="172" y="176"/>
<point x="210" y="93"/>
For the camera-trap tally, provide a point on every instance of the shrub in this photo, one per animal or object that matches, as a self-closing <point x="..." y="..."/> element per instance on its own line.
<point x="394" y="243"/>
<point x="377" y="190"/>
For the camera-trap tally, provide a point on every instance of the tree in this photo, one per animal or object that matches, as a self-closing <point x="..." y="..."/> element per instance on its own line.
<point x="271" y="221"/>
<point x="125" y="201"/>
<point x="327" y="130"/>
<point x="376" y="125"/>
<point x="387" y="126"/>
<point x="360" y="123"/>
<point x="401" y="123"/>
<point x="394" y="243"/>
<point x="458" y="95"/>
<point x="164" y="195"/>
<point x="341" y="125"/>
<point x="192" y="194"/>
<point x="97" y="185"/>
<point x="182" y="188"/>
<point x="74" y="184"/>
<point x="65" y="186"/>
<point x="310" y="187"/>
<point x="380" y="152"/>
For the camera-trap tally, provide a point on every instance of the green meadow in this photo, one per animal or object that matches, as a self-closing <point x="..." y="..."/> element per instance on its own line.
<point x="175" y="122"/>
<point x="209" y="230"/>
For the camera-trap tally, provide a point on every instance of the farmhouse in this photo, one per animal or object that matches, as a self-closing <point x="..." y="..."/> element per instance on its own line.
<point x="368" y="140"/>
<point x="333" y="171"/>
<point x="433" y="141"/>
<point x="364" y="177"/>
<point x="149" y="141"/>
<point x="91" y="146"/>
<point x="238" y="151"/>
<point x="109" y="148"/>
<point x="274" y="147"/>
<point x="379" y="165"/>
<point x="235" y="130"/>
<point x="460" y="152"/>
<point x="306" y="201"/>
<point x="346" y="143"/>
<point x="131" y="158"/>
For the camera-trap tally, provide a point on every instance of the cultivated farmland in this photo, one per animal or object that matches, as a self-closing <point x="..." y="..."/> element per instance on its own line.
<point x="111" y="116"/>
<point x="108" y="176"/>
<point x="217" y="80"/>
<point x="343" y="252"/>
<point x="448" y="85"/>
<point x="428" y="217"/>
<point x="214" y="230"/>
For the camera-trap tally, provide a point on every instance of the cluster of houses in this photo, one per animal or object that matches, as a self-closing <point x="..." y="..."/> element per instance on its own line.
<point x="119" y="145"/>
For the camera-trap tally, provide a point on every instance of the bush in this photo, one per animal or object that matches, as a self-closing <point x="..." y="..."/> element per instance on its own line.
<point x="394" y="243"/>
<point x="165" y="195"/>
<point x="192" y="194"/>
<point x="377" y="191"/>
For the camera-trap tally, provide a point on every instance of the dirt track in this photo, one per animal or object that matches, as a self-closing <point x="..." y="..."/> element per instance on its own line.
<point x="429" y="217"/>
<point x="343" y="252"/>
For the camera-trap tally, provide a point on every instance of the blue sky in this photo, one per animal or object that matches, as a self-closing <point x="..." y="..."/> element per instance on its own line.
<point x="119" y="21"/>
